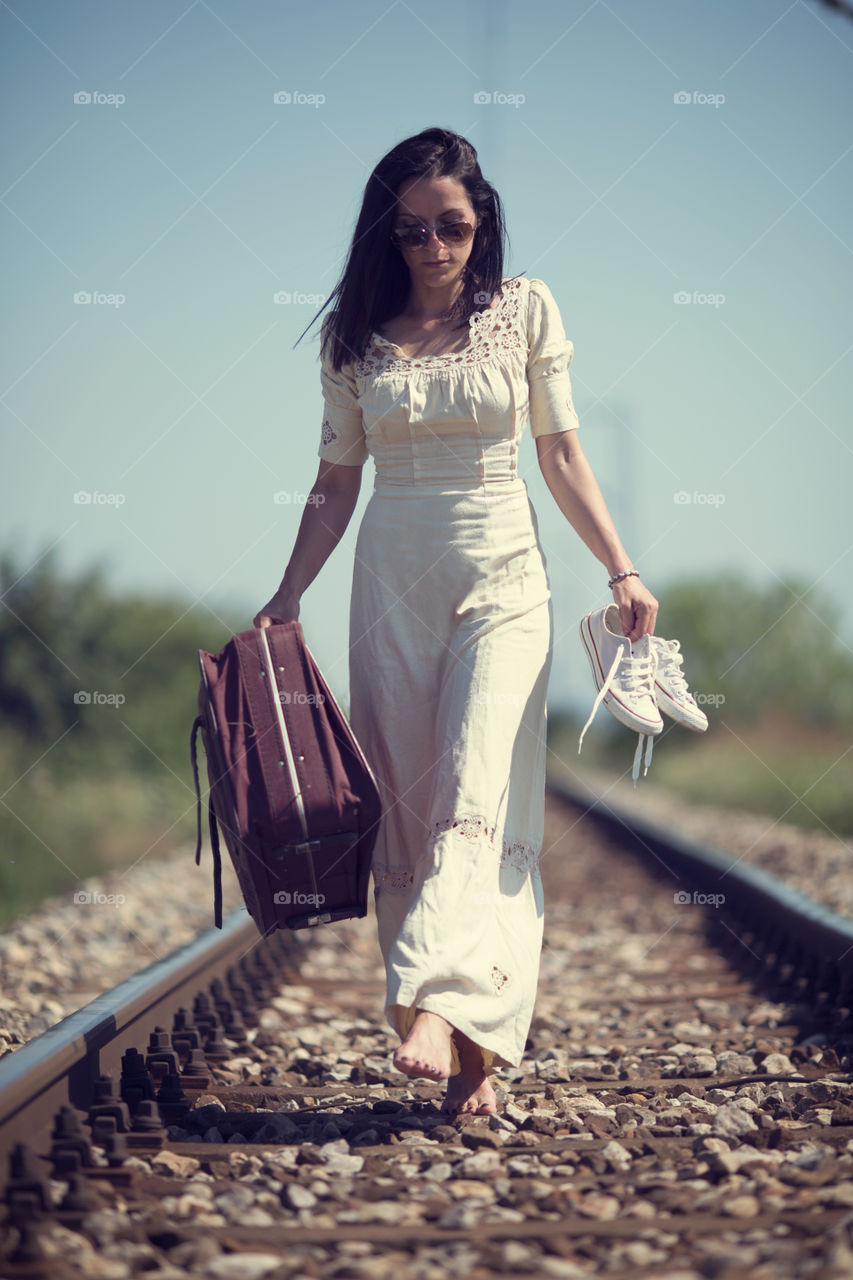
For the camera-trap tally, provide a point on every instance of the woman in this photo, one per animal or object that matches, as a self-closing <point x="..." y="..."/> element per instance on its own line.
<point x="431" y="360"/>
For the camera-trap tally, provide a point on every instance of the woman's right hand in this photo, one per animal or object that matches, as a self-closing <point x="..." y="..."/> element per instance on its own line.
<point x="283" y="607"/>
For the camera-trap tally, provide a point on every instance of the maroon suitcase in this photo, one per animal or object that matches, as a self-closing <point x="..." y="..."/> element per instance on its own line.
<point x="290" y="789"/>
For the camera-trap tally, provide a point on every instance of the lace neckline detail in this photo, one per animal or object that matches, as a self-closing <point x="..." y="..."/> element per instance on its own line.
<point x="494" y="329"/>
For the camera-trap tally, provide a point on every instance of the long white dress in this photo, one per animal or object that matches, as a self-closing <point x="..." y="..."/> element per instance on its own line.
<point x="450" y="650"/>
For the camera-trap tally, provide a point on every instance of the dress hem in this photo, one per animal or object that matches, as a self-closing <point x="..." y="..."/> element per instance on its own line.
<point x="401" y="1014"/>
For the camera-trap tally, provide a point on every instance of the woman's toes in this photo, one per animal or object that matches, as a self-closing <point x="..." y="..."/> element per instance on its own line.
<point x="471" y="1095"/>
<point x="413" y="1066"/>
<point x="426" y="1049"/>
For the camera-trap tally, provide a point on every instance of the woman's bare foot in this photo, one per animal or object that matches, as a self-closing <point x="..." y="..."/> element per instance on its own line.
<point x="470" y="1095"/>
<point x="426" y="1049"/>
<point x="470" y="1092"/>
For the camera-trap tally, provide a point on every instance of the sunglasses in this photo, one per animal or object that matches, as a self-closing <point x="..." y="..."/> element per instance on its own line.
<point x="449" y="233"/>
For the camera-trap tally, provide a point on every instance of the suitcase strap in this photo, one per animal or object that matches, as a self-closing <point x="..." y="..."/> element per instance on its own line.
<point x="214" y="833"/>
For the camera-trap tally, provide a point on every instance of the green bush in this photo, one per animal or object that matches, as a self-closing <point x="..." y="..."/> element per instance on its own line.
<point x="98" y="780"/>
<point x="87" y="784"/>
<point x="774" y="647"/>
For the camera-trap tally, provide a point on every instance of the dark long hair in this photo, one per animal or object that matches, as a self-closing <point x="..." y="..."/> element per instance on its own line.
<point x="374" y="284"/>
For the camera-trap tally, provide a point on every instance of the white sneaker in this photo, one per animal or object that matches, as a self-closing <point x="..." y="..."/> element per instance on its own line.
<point x="671" y="692"/>
<point x="624" y="677"/>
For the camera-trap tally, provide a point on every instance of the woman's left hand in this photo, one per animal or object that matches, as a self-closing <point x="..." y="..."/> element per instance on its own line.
<point x="638" y="609"/>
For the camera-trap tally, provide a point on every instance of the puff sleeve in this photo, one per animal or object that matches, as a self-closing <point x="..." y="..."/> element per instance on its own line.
<point x="549" y="356"/>
<point x="342" y="438"/>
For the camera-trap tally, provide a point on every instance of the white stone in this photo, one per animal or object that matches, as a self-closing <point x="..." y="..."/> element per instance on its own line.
<point x="839" y="1196"/>
<point x="167" y="1162"/>
<point x="242" y="1266"/>
<point x="731" y="1121"/>
<point x="777" y="1064"/>
<point x="299" y="1197"/>
<point x="481" y="1163"/>
<point x="234" y="1202"/>
<point x="342" y="1162"/>
<point x="616" y="1156"/>
<point x="745" y="1206"/>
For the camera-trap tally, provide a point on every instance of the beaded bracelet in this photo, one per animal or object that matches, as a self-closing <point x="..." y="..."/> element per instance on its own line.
<point x="617" y="577"/>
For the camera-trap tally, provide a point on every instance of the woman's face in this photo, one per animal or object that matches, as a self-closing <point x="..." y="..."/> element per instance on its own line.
<point x="431" y="202"/>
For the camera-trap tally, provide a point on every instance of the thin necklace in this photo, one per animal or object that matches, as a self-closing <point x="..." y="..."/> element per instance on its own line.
<point x="444" y="316"/>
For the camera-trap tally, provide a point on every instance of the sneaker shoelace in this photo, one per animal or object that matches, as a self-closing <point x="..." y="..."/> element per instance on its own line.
<point x="637" y="674"/>
<point x="670" y="659"/>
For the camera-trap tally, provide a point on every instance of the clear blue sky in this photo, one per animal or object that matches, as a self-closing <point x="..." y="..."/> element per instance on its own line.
<point x="198" y="198"/>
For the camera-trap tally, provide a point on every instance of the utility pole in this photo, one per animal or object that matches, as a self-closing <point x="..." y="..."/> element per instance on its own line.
<point x="487" y="41"/>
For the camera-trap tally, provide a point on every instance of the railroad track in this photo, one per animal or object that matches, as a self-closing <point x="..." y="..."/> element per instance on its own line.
<point x="685" y="1107"/>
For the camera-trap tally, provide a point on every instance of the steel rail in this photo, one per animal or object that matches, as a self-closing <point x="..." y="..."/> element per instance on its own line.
<point x="59" y="1066"/>
<point x="787" y="934"/>
<point x="790" y="937"/>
